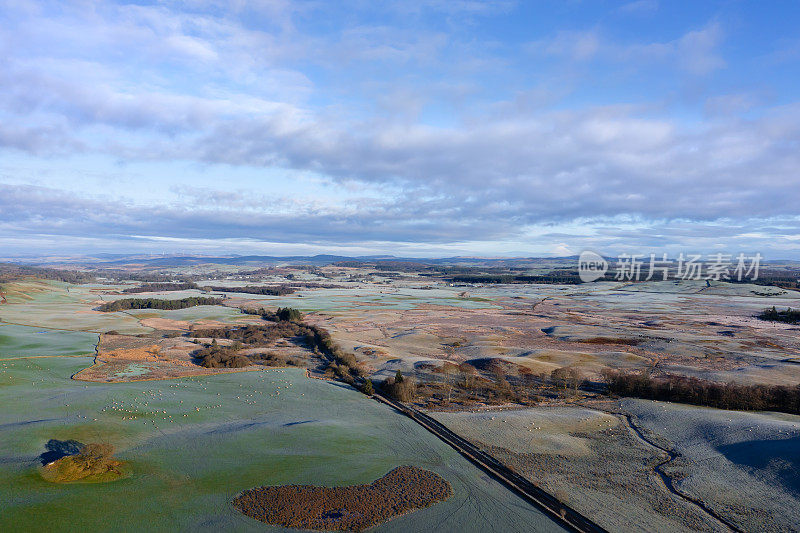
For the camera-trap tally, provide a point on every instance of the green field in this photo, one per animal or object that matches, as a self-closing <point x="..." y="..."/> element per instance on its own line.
<point x="25" y="341"/>
<point x="195" y="443"/>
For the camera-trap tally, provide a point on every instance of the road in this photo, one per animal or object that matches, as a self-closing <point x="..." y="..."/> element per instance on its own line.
<point x="561" y="513"/>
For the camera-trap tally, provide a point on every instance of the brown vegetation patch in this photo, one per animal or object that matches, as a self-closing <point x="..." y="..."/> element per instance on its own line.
<point x="123" y="358"/>
<point x="145" y="353"/>
<point x="494" y="365"/>
<point x="94" y="463"/>
<point x="157" y="322"/>
<point x="404" y="489"/>
<point x="627" y="341"/>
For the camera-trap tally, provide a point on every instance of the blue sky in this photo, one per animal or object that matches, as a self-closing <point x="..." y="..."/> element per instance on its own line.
<point x="425" y="128"/>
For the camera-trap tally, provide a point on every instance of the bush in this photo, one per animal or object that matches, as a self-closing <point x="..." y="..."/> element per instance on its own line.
<point x="92" y="462"/>
<point x="403" y="391"/>
<point x="790" y="316"/>
<point x="289" y="314"/>
<point x="222" y="358"/>
<point x="566" y="377"/>
<point x="368" y="388"/>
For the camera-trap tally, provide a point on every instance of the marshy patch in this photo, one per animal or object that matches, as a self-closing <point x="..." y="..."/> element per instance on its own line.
<point x="357" y="507"/>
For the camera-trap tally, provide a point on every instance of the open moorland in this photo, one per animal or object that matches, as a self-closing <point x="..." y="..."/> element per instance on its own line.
<point x="170" y="364"/>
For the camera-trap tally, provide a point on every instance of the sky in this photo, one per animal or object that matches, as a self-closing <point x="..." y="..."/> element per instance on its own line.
<point x="409" y="128"/>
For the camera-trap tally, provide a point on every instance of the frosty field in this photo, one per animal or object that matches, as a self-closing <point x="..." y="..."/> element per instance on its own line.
<point x="194" y="444"/>
<point x="196" y="437"/>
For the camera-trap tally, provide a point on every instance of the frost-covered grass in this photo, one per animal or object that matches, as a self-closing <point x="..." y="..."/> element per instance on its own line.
<point x="193" y="444"/>
<point x="550" y="430"/>
<point x="745" y="465"/>
<point x="25" y="341"/>
<point x="586" y="458"/>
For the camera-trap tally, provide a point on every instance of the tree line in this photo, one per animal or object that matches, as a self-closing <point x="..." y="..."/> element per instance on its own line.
<point x="278" y="290"/>
<point x="707" y="393"/>
<point x="161" y="287"/>
<point x="773" y="277"/>
<point x="560" y="278"/>
<point x="125" y="304"/>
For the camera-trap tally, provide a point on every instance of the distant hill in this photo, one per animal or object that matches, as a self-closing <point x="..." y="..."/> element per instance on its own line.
<point x="164" y="261"/>
<point x="111" y="261"/>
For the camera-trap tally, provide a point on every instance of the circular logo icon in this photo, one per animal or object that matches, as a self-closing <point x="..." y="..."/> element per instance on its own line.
<point x="591" y="266"/>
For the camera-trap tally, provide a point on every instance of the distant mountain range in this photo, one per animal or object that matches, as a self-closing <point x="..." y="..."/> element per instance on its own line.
<point x="165" y="261"/>
<point x="155" y="261"/>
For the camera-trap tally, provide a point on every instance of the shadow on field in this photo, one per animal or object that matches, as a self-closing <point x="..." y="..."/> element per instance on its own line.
<point x="56" y="449"/>
<point x="287" y="424"/>
<point x="780" y="458"/>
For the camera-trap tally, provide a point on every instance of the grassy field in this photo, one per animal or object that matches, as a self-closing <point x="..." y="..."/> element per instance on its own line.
<point x="55" y="305"/>
<point x="586" y="458"/>
<point x="193" y="444"/>
<point x="731" y="460"/>
<point x="743" y="465"/>
<point x="25" y="341"/>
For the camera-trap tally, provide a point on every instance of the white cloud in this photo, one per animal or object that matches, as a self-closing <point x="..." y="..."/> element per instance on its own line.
<point x="695" y="52"/>
<point x="458" y="158"/>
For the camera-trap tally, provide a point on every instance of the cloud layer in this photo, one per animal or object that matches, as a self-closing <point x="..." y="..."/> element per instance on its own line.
<point x="416" y="126"/>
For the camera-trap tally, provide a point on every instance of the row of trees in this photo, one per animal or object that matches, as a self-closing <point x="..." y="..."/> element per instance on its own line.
<point x="773" y="277"/>
<point x="277" y="290"/>
<point x="156" y="303"/>
<point x="161" y="287"/>
<point x="696" y="391"/>
<point x="341" y="364"/>
<point x="559" y="278"/>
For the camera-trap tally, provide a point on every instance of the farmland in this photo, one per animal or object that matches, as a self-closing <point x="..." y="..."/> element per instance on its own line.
<point x="518" y="369"/>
